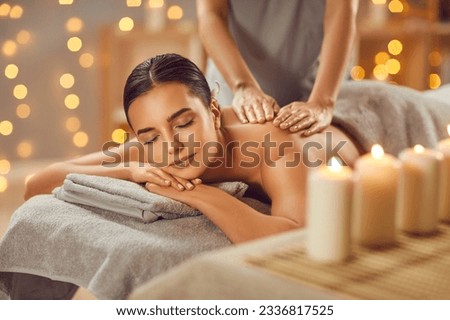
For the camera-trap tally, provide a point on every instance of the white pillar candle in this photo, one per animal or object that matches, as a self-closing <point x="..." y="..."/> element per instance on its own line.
<point x="419" y="190"/>
<point x="375" y="198"/>
<point x="444" y="202"/>
<point x="328" y="212"/>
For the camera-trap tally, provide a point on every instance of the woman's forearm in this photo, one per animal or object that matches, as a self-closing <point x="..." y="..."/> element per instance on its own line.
<point x="44" y="181"/>
<point x="236" y="219"/>
<point x="339" y="33"/>
<point x="220" y="46"/>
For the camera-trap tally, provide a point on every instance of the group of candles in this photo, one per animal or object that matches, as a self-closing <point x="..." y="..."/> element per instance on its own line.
<point x="381" y="195"/>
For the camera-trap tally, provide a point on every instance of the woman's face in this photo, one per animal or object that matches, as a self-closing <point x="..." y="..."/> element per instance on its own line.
<point x="174" y="126"/>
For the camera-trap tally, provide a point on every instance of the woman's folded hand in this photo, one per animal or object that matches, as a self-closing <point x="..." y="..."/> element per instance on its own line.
<point x="146" y="173"/>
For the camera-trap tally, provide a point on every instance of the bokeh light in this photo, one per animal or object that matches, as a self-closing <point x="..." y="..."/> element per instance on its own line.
<point x="16" y="12"/>
<point x="4" y="9"/>
<point x="5" y="166"/>
<point x="86" y="60"/>
<point x="395" y="6"/>
<point x="23" y="37"/>
<point x="65" y="2"/>
<point x="20" y="91"/>
<point x="435" y="58"/>
<point x="381" y="57"/>
<point x="175" y="12"/>
<point x="134" y="3"/>
<point x="73" y="124"/>
<point x="80" y="139"/>
<point x="357" y="73"/>
<point x="67" y="81"/>
<point x="9" y="48"/>
<point x="74" y="44"/>
<point x="3" y="184"/>
<point x="74" y="25"/>
<point x="155" y="3"/>
<point x="395" y="47"/>
<point x="380" y="72"/>
<point x="126" y="24"/>
<point x="434" y="81"/>
<point x="6" y="127"/>
<point x="119" y="136"/>
<point x="24" y="149"/>
<point x="393" y="66"/>
<point x="11" y="71"/>
<point x="23" y="111"/>
<point x="72" y="101"/>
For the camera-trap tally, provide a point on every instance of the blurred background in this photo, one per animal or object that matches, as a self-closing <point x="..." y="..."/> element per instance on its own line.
<point x="63" y="64"/>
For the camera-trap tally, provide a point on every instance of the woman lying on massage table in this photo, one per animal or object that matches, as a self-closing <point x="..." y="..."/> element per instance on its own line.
<point x="184" y="138"/>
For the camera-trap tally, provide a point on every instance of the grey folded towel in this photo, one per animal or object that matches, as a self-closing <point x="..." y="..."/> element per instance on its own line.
<point x="129" y="198"/>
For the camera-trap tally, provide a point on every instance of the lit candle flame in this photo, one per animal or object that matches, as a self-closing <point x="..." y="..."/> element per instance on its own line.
<point x="377" y="151"/>
<point x="335" y="165"/>
<point x="448" y="129"/>
<point x="419" y="148"/>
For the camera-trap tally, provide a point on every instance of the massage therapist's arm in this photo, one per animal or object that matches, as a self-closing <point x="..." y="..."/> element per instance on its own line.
<point x="112" y="164"/>
<point x="250" y="103"/>
<point x="316" y="114"/>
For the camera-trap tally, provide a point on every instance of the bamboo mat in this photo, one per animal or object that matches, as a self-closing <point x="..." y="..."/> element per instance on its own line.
<point x="415" y="268"/>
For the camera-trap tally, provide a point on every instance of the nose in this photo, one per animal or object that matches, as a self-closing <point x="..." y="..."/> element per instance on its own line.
<point x="174" y="145"/>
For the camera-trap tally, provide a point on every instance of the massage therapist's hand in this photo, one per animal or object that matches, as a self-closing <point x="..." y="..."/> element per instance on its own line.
<point x="307" y="118"/>
<point x="252" y="105"/>
<point x="146" y="173"/>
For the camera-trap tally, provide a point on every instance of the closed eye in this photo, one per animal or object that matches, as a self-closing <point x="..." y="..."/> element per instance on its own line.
<point x="151" y="140"/>
<point x="187" y="124"/>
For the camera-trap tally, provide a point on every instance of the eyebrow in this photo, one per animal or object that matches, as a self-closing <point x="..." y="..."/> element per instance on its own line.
<point x="169" y="119"/>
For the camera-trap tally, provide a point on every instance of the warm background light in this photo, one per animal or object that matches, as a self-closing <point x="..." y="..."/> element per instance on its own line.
<point x="381" y="57"/>
<point x="74" y="25"/>
<point x="20" y="91"/>
<point x="74" y="44"/>
<point x="393" y="66"/>
<point x="11" y="71"/>
<point x="126" y="24"/>
<point x="380" y="72"/>
<point x="80" y="139"/>
<point x="4" y="9"/>
<point x="175" y="13"/>
<point x="72" y="101"/>
<point x="73" y="124"/>
<point x="65" y="2"/>
<point x="395" y="6"/>
<point x="134" y="3"/>
<point x="86" y="60"/>
<point x="379" y="1"/>
<point x="67" y="81"/>
<point x="16" y="12"/>
<point x="9" y="48"/>
<point x="24" y="149"/>
<point x="395" y="47"/>
<point x="3" y="184"/>
<point x="419" y="148"/>
<point x="357" y="73"/>
<point x="23" y="111"/>
<point x="377" y="151"/>
<point x="435" y="58"/>
<point x="119" y="136"/>
<point x="6" y="127"/>
<point x="155" y="3"/>
<point x="5" y="166"/>
<point x="23" y="37"/>
<point x="434" y="81"/>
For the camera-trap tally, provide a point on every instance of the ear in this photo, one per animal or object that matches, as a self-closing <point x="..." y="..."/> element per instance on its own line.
<point x="216" y="113"/>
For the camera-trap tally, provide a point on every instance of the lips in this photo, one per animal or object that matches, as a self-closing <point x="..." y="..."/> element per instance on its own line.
<point x="183" y="162"/>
